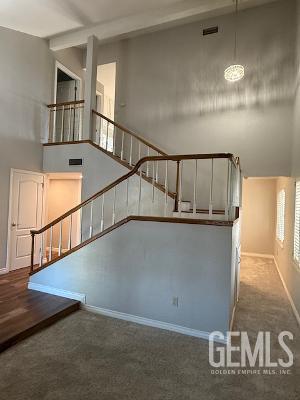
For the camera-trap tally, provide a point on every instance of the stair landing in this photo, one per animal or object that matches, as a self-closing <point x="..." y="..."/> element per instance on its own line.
<point x="24" y="312"/>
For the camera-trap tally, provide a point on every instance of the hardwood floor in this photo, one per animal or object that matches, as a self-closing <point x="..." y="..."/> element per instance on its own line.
<point x="23" y="311"/>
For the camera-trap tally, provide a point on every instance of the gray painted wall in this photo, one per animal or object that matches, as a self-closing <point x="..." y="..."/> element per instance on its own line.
<point x="26" y="70"/>
<point x="296" y="138"/>
<point x="171" y="88"/>
<point x="154" y="263"/>
<point x="27" y="84"/>
<point x="99" y="170"/>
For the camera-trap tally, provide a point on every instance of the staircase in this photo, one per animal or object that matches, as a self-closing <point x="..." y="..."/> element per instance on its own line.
<point x="194" y="188"/>
<point x="121" y="144"/>
<point x="197" y="194"/>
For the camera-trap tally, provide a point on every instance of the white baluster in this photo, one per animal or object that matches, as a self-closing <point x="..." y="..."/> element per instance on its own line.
<point x="114" y="140"/>
<point x="211" y="189"/>
<point x="76" y="133"/>
<point x="70" y="232"/>
<point x="114" y="206"/>
<point x="60" y="239"/>
<point x="102" y="214"/>
<point x="166" y="189"/>
<point x="50" y="127"/>
<point x="147" y="165"/>
<point x="139" y="150"/>
<point x="122" y="146"/>
<point x="69" y="130"/>
<point x="195" y="189"/>
<point x="153" y="180"/>
<point x="42" y="250"/>
<point x="50" y="243"/>
<point x="107" y="126"/>
<point x="80" y="121"/>
<point x="99" y="132"/>
<point x="73" y="120"/>
<point x="130" y="154"/>
<point x="228" y="191"/>
<point x="140" y="192"/>
<point x="156" y="176"/>
<point x="81" y="230"/>
<point x="180" y="188"/>
<point x="91" y="219"/>
<point x="54" y="113"/>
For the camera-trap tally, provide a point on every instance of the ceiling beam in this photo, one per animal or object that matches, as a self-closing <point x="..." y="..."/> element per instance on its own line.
<point x="163" y="17"/>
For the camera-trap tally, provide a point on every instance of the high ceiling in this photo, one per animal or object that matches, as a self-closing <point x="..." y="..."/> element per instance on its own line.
<point x="47" y="18"/>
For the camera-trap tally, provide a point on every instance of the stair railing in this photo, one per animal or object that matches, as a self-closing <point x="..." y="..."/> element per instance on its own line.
<point x="120" y="141"/>
<point x="65" y="121"/>
<point x="130" y="196"/>
<point x="66" y="124"/>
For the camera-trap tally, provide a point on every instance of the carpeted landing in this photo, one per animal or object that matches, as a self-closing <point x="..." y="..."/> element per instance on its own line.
<point x="87" y="356"/>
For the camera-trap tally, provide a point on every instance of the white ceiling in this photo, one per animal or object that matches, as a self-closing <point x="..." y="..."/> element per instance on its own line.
<point x="45" y="18"/>
<point x="59" y="18"/>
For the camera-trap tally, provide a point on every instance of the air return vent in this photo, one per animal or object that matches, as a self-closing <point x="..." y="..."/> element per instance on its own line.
<point x="75" y="161"/>
<point x="211" y="30"/>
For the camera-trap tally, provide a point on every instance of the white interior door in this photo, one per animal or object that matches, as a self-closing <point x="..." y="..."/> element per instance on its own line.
<point x="26" y="205"/>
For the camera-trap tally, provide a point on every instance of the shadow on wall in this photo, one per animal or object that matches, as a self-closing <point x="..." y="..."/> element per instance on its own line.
<point x="262" y="85"/>
<point x="186" y="70"/>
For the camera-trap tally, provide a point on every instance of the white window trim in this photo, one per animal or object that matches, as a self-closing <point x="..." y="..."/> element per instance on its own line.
<point x="296" y="258"/>
<point x="280" y="217"/>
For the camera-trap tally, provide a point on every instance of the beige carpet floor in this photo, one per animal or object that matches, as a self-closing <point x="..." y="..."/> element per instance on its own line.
<point x="87" y="356"/>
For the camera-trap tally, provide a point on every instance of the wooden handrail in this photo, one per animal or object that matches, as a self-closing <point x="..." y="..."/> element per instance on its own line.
<point x="66" y="103"/>
<point x="122" y="128"/>
<point x="116" y="124"/>
<point x="132" y="172"/>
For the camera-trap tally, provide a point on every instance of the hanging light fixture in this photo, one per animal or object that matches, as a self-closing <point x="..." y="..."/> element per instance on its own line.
<point x="234" y="72"/>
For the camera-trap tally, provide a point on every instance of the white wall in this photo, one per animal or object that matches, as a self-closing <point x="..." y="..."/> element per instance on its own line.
<point x="99" y="170"/>
<point x="284" y="253"/>
<point x="296" y="137"/>
<point x="138" y="268"/>
<point x="27" y="86"/>
<point x="26" y="71"/>
<point x="171" y="89"/>
<point x="259" y="216"/>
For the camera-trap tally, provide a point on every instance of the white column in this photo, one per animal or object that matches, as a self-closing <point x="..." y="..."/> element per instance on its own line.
<point x="90" y="86"/>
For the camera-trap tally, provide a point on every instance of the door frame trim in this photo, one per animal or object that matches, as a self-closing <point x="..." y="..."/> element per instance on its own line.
<point x="8" y="245"/>
<point x="63" y="68"/>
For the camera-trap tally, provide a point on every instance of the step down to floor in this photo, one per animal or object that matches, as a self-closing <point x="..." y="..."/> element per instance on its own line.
<point x="29" y="312"/>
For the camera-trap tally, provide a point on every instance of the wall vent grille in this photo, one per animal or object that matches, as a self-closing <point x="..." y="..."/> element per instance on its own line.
<point x="211" y="30"/>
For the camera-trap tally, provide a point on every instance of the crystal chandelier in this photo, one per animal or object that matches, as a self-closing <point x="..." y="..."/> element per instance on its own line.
<point x="234" y="72"/>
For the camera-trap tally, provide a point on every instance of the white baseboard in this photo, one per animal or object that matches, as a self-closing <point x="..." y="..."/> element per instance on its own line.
<point x="4" y="271"/>
<point x="261" y="255"/>
<point x="150" y="322"/>
<point x="57" y="292"/>
<point x="295" y="311"/>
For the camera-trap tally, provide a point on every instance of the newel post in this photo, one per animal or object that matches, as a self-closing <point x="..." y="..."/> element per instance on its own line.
<point x="90" y="87"/>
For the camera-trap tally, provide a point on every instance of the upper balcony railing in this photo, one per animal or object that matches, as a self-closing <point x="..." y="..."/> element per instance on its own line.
<point x="65" y="121"/>
<point x="66" y="125"/>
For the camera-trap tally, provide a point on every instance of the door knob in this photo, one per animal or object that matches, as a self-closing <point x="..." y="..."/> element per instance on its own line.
<point x="13" y="224"/>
